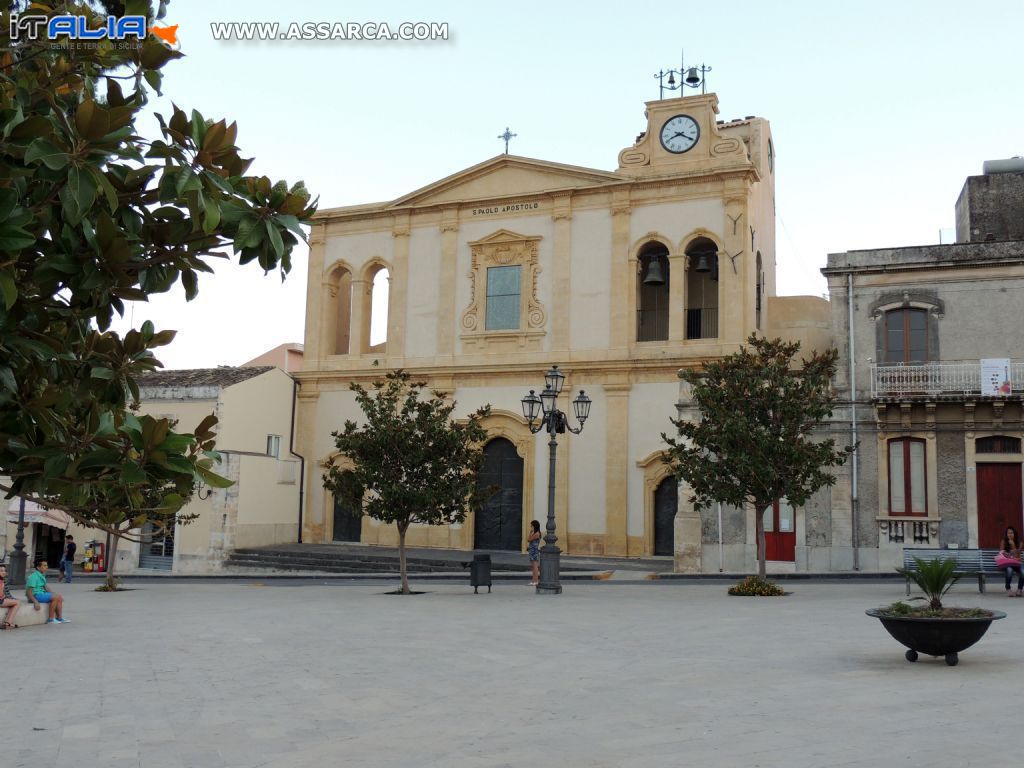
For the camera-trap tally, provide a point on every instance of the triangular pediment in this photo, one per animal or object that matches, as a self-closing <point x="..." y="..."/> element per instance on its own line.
<point x="503" y="236"/>
<point x="507" y="176"/>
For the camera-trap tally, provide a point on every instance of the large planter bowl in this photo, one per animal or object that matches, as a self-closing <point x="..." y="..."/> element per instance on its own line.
<point x="936" y="636"/>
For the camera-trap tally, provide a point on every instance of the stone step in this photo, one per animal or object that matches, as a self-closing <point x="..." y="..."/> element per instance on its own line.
<point x="344" y="561"/>
<point x="331" y="566"/>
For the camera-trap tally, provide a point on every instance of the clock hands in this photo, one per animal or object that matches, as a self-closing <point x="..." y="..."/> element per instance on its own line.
<point x="679" y="133"/>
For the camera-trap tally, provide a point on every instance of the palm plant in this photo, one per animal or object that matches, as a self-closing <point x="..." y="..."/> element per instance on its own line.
<point x="934" y="577"/>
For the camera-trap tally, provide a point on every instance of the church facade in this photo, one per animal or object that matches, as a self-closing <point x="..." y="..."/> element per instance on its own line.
<point x="497" y="272"/>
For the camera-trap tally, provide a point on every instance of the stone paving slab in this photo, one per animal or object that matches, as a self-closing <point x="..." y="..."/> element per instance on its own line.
<point x="324" y="673"/>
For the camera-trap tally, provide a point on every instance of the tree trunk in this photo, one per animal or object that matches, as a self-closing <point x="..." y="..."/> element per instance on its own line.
<point x="759" y="524"/>
<point x="402" y="528"/>
<point x="112" y="542"/>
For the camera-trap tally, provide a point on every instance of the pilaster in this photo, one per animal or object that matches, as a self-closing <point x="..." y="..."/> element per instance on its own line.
<point x="562" y="257"/>
<point x="315" y="321"/>
<point x="623" y="272"/>
<point x="399" y="286"/>
<point x="359" y="338"/>
<point x="448" y="278"/>
<point x="616" y="468"/>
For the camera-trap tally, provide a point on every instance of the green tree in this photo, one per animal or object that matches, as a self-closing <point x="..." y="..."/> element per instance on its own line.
<point x="754" y="442"/>
<point x="94" y="215"/>
<point x="412" y="463"/>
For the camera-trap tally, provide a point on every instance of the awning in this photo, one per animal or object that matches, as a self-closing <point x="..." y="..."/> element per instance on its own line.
<point x="37" y="514"/>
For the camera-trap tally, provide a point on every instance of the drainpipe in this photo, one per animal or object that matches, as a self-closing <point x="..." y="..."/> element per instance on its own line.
<point x="853" y="424"/>
<point x="291" y="450"/>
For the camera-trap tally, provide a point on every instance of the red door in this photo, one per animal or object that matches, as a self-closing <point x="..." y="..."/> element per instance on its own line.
<point x="780" y="532"/>
<point x="999" y="501"/>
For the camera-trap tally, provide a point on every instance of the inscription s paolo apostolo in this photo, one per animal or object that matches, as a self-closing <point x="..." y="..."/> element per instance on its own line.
<point x="505" y="208"/>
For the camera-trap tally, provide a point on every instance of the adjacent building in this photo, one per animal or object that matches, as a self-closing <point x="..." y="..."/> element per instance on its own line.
<point x="931" y="342"/>
<point x="254" y="408"/>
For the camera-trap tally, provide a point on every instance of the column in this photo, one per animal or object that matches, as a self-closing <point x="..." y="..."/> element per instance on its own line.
<point x="688" y="532"/>
<point x="359" y="333"/>
<point x="676" y="297"/>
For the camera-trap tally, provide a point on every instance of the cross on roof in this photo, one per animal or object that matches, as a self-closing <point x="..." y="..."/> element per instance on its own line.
<point x="507" y="136"/>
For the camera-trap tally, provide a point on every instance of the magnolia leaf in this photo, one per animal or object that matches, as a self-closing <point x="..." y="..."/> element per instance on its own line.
<point x="45" y="151"/>
<point x="212" y="479"/>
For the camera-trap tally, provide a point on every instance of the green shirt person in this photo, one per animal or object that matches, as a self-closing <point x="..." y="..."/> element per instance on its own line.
<point x="38" y="593"/>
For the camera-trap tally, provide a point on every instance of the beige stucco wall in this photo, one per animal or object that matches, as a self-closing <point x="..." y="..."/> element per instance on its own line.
<point x="253" y="409"/>
<point x="806" y="319"/>
<point x="267" y="507"/>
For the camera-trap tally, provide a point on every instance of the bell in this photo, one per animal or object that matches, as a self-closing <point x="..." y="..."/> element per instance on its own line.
<point x="703" y="263"/>
<point x="692" y="78"/>
<point x="671" y="78"/>
<point x="654" y="275"/>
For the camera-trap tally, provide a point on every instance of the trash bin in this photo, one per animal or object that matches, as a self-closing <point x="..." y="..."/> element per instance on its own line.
<point x="480" y="573"/>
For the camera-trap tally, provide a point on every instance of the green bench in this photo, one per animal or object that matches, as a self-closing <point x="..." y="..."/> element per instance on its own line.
<point x="969" y="562"/>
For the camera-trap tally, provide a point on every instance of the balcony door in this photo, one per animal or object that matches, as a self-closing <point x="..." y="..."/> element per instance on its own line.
<point x="906" y="336"/>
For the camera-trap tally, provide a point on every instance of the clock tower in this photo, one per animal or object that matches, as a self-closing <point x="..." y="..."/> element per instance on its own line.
<point x="683" y="135"/>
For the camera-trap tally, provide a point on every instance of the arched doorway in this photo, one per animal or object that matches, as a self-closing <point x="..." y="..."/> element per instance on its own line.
<point x="347" y="527"/>
<point x="499" y="523"/>
<point x="666" y="504"/>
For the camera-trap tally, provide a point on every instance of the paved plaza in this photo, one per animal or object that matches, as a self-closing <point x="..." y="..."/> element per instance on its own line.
<point x="304" y="674"/>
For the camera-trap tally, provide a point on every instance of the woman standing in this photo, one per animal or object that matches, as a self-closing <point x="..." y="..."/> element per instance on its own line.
<point x="1011" y="550"/>
<point x="533" y="550"/>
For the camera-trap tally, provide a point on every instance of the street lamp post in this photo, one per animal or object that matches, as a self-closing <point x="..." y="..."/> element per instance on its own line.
<point x="545" y="407"/>
<point x="18" y="556"/>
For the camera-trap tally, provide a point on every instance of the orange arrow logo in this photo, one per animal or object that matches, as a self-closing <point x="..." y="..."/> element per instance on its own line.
<point x="168" y="34"/>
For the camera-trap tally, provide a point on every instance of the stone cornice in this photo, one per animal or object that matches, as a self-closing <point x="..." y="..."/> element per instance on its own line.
<point x="388" y="210"/>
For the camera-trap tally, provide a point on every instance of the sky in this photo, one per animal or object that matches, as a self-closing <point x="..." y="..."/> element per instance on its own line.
<point x="879" y="112"/>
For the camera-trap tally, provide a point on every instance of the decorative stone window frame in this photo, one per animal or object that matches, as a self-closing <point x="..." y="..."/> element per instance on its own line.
<point x="504" y="248"/>
<point x="908" y="530"/>
<point x="934" y="306"/>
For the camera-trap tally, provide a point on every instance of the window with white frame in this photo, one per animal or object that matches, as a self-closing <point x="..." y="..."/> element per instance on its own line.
<point x="274" y="446"/>
<point x="907" y="473"/>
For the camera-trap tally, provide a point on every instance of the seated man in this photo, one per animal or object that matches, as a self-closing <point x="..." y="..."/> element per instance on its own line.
<point x="38" y="593"/>
<point x="7" y="600"/>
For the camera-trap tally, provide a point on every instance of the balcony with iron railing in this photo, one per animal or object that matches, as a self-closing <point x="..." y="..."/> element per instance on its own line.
<point x="950" y="379"/>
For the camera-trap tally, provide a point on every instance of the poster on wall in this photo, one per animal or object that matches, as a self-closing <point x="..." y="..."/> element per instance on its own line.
<point x="995" y="376"/>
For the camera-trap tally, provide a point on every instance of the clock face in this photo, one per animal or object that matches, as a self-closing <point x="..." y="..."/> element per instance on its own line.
<point x="680" y="134"/>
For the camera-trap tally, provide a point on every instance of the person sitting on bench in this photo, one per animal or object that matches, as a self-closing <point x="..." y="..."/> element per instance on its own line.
<point x="38" y="593"/>
<point x="7" y="600"/>
<point x="1010" y="549"/>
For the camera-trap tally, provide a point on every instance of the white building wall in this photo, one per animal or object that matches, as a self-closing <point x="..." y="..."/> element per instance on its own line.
<point x="422" y="294"/>
<point x="591" y="280"/>
<point x="357" y="250"/>
<point x="586" y="466"/>
<point x="676" y="221"/>
<point x="650" y="408"/>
